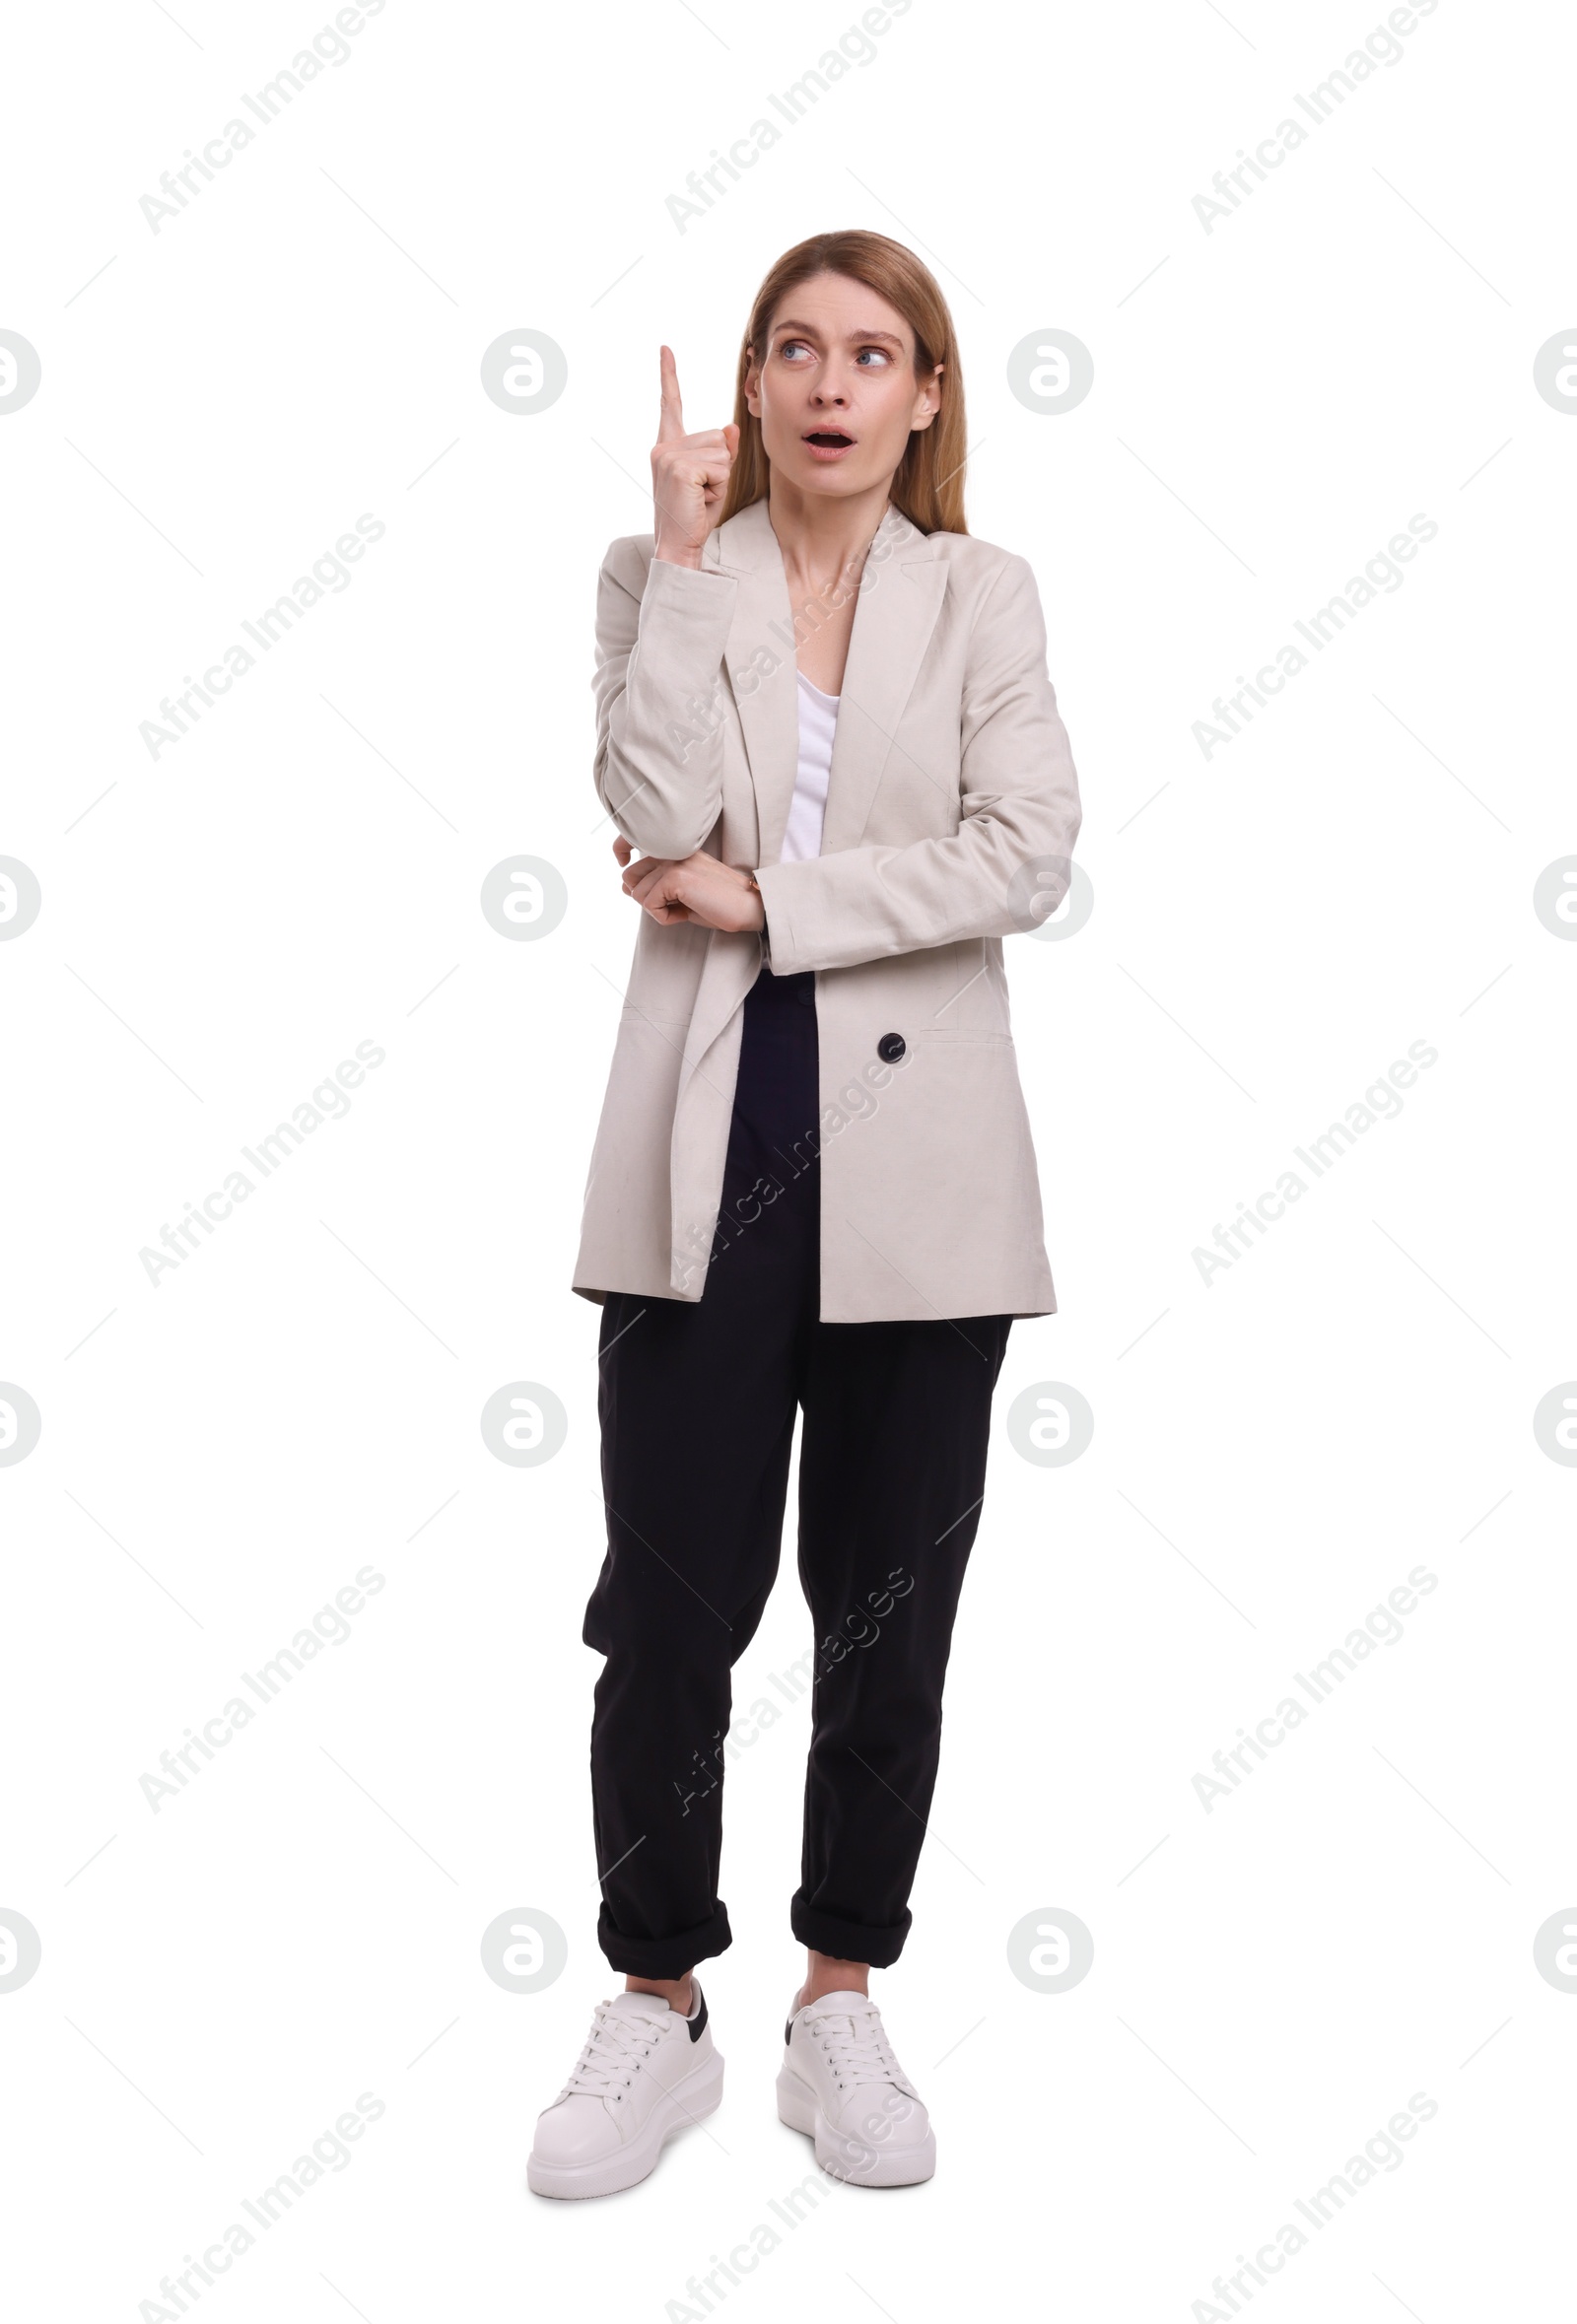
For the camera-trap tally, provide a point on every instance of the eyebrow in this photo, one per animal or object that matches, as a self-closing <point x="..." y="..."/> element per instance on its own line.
<point x="809" y="331"/>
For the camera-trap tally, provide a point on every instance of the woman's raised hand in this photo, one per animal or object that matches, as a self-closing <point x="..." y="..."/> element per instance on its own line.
<point x="688" y="475"/>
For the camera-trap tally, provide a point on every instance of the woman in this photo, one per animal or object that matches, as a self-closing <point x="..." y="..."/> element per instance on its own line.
<point x="825" y="722"/>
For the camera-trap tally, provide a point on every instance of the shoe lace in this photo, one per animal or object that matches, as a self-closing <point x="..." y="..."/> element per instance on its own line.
<point x="856" y="2046"/>
<point x="616" y="2049"/>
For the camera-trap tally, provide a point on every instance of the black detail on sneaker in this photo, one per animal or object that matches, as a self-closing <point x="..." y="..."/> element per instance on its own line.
<point x="697" y="2025"/>
<point x="789" y="2034"/>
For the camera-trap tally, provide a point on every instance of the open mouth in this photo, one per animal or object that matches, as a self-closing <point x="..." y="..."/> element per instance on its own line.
<point x="829" y="440"/>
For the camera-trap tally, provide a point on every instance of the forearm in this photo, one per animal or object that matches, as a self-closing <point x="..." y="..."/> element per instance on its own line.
<point x="1005" y="866"/>
<point x="659" y="765"/>
<point x="871" y="903"/>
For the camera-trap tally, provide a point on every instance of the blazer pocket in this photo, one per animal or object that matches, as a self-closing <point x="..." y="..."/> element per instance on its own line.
<point x="637" y="1011"/>
<point x="944" y="1033"/>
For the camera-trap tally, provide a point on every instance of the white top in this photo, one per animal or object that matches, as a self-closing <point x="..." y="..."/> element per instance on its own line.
<point x="818" y="723"/>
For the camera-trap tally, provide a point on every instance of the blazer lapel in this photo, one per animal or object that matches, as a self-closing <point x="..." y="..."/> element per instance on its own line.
<point x="900" y="596"/>
<point x="761" y="636"/>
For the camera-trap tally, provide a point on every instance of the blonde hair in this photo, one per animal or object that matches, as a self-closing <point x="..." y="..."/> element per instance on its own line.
<point x="928" y="486"/>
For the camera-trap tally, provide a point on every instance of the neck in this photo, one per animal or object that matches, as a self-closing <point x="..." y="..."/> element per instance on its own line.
<point x="824" y="540"/>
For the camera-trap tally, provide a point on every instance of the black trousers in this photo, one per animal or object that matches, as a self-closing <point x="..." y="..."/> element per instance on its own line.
<point x="697" y="1405"/>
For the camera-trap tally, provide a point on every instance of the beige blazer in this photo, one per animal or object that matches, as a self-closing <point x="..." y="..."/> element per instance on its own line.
<point x="952" y="809"/>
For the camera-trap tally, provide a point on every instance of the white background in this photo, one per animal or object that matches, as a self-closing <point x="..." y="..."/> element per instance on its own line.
<point x="1274" y="925"/>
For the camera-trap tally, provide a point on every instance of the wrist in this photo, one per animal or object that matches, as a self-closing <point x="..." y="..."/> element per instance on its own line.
<point x="668" y="554"/>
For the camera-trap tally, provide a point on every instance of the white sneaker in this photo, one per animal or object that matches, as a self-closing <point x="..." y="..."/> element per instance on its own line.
<point x="840" y="2082"/>
<point x="644" y="2074"/>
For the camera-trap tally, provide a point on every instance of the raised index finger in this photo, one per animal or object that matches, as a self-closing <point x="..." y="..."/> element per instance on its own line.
<point x="670" y="424"/>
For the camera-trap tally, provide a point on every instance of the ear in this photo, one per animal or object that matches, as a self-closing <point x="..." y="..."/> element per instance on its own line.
<point x="927" y="402"/>
<point x="753" y="384"/>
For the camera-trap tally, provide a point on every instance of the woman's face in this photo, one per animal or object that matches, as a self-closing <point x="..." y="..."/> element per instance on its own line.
<point x="835" y="388"/>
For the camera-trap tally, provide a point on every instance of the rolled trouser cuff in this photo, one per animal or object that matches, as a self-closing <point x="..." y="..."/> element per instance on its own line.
<point x="665" y="1957"/>
<point x="847" y="1940"/>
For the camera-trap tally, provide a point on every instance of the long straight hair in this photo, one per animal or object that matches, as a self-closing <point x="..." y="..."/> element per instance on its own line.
<point x="928" y="486"/>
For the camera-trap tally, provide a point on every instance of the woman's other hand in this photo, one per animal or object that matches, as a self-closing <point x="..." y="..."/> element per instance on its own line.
<point x="689" y="476"/>
<point x="697" y="887"/>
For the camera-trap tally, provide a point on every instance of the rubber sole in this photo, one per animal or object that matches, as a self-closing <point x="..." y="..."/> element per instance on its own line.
<point x="845" y="2155"/>
<point x="698" y="2096"/>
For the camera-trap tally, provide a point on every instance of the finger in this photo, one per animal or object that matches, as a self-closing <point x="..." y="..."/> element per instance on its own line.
<point x="731" y="438"/>
<point x="670" y="423"/>
<point x="622" y="851"/>
<point x="672" y="868"/>
<point x="641" y="879"/>
<point x="679" y="455"/>
<point x="685" y="469"/>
